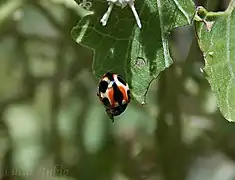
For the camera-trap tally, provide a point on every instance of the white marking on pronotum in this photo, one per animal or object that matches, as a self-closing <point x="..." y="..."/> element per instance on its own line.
<point x="121" y="3"/>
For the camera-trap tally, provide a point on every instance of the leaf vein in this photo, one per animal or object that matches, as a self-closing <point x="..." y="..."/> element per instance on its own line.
<point x="164" y="42"/>
<point x="182" y="10"/>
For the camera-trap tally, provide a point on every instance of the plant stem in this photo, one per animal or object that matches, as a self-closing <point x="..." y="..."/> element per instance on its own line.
<point x="172" y="152"/>
<point x="231" y="6"/>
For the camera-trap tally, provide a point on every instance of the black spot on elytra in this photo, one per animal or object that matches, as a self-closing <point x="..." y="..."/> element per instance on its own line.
<point x="103" y="86"/>
<point x="121" y="80"/>
<point x="106" y="102"/>
<point x="117" y="94"/>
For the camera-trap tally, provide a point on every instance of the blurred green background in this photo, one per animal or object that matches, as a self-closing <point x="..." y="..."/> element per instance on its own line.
<point x="53" y="126"/>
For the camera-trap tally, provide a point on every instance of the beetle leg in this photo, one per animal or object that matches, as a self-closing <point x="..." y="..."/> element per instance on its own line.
<point x="110" y="115"/>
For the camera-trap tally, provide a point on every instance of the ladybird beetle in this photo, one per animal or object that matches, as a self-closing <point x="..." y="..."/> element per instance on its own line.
<point x="114" y="93"/>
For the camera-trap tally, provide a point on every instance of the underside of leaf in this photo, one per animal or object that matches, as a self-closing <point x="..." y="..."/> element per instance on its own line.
<point x="139" y="55"/>
<point x="218" y="47"/>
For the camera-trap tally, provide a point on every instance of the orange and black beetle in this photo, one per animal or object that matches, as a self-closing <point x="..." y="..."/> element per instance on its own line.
<point x="114" y="93"/>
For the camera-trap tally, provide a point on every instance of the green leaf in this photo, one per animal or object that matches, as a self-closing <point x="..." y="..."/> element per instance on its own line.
<point x="137" y="54"/>
<point x="8" y="8"/>
<point x="216" y="38"/>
